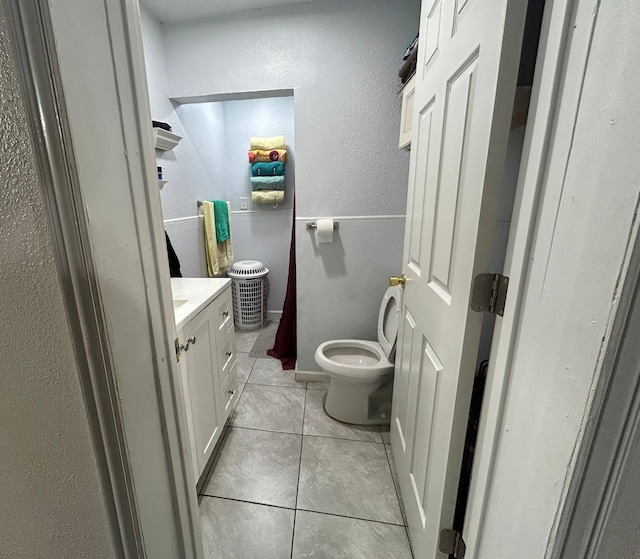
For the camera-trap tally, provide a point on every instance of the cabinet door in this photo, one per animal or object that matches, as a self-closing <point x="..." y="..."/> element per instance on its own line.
<point x="406" y="118"/>
<point x="201" y="378"/>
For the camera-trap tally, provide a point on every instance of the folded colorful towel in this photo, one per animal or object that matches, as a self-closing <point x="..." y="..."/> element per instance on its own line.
<point x="260" y="155"/>
<point x="267" y="197"/>
<point x="221" y="213"/>
<point x="219" y="254"/>
<point x="267" y="183"/>
<point x="271" y="169"/>
<point x="274" y="142"/>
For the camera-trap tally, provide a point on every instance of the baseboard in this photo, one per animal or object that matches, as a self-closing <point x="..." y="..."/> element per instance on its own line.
<point x="311" y="376"/>
<point x="274" y="315"/>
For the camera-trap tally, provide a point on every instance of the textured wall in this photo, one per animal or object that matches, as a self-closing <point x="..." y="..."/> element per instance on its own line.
<point x="211" y="162"/>
<point x="341" y="59"/>
<point x="51" y="497"/>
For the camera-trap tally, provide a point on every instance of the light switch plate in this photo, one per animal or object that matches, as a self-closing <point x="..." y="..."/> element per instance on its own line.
<point x="243" y="202"/>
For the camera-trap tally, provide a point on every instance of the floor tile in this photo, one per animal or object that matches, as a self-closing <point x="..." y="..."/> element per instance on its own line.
<point x="394" y="475"/>
<point x="273" y="408"/>
<point x="245" y="364"/>
<point x="348" y="478"/>
<point x="311" y="385"/>
<point x="240" y="389"/>
<point x="244" y="340"/>
<point x="257" y="466"/>
<point x="269" y="371"/>
<point x="386" y="434"/>
<point x="317" y="422"/>
<point x="234" y="530"/>
<point x="323" y="536"/>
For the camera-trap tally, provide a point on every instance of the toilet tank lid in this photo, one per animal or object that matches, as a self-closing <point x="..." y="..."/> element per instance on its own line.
<point x="389" y="319"/>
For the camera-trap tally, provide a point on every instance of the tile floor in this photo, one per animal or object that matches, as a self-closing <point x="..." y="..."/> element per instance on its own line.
<point x="290" y="482"/>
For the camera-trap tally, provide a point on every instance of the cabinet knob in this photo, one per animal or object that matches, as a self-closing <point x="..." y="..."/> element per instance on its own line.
<point x="184" y="347"/>
<point x="232" y="392"/>
<point x="225" y="313"/>
<point x="229" y="353"/>
<point x="192" y="340"/>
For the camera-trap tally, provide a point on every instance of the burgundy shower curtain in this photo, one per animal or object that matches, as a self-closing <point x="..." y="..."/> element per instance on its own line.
<point x="285" y="346"/>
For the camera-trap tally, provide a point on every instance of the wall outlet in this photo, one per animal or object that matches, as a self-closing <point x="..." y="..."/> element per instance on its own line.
<point x="243" y="202"/>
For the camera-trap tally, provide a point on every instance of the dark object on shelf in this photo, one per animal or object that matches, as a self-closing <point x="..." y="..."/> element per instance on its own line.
<point x="409" y="67"/>
<point x="411" y="48"/>
<point x="163" y="125"/>
<point x="174" y="263"/>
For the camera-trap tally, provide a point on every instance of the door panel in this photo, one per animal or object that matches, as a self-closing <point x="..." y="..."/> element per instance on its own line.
<point x="465" y="85"/>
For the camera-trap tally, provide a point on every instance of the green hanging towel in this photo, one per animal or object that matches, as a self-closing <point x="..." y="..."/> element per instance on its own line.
<point x="221" y="213"/>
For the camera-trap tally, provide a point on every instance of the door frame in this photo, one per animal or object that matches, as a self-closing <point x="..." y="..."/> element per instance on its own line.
<point x="137" y="424"/>
<point x="563" y="61"/>
<point x="93" y="322"/>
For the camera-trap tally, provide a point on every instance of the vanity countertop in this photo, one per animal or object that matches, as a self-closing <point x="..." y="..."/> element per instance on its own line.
<point x="191" y="295"/>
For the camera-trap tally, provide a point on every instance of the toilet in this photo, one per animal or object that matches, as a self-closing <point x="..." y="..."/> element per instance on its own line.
<point x="361" y="371"/>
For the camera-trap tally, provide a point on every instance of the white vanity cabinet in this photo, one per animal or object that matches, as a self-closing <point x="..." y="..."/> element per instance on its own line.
<point x="207" y="365"/>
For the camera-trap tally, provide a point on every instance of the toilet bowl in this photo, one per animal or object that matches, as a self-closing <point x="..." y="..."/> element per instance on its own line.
<point x="361" y="371"/>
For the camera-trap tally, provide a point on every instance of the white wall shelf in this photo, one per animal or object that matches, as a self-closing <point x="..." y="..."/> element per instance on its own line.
<point x="161" y="184"/>
<point x="165" y="140"/>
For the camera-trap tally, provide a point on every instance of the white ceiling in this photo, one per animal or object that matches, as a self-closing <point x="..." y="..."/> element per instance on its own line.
<point x="181" y="10"/>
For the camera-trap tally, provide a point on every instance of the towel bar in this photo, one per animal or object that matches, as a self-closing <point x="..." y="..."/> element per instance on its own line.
<point x="314" y="225"/>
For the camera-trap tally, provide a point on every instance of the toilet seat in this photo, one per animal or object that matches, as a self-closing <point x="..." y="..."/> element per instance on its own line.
<point x="355" y="360"/>
<point x="364" y="360"/>
<point x="361" y="371"/>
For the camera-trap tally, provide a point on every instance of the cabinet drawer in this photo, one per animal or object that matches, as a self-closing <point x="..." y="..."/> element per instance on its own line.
<point x="226" y="357"/>
<point x="223" y="311"/>
<point x="228" y="394"/>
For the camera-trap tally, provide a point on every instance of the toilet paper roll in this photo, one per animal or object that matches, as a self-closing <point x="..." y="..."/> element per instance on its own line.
<point x="324" y="230"/>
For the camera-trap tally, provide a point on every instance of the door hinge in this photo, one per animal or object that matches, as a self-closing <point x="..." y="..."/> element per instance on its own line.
<point x="176" y="343"/>
<point x="451" y="542"/>
<point x="489" y="293"/>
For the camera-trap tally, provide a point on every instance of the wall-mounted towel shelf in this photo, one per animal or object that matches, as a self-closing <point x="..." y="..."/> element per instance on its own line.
<point x="165" y="140"/>
<point x="314" y="225"/>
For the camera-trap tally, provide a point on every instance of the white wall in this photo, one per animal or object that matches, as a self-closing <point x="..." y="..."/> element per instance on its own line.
<point x="262" y="233"/>
<point x="341" y="60"/>
<point x="51" y="497"/>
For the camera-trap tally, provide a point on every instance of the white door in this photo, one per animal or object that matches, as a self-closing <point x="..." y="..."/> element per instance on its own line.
<point x="465" y="84"/>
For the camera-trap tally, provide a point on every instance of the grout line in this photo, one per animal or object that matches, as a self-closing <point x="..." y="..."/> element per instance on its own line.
<point x="275" y="385"/>
<point x="293" y="535"/>
<point x="302" y="434"/>
<point x="342" y="439"/>
<point x="265" y="430"/>
<point x="395" y="484"/>
<point x="354" y="517"/>
<point x="248" y="502"/>
<point x="406" y="529"/>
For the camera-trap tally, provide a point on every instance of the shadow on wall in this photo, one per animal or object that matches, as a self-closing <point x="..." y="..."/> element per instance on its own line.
<point x="331" y="254"/>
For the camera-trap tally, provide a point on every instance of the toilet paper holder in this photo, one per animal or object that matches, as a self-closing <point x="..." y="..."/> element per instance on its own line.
<point x="313" y="225"/>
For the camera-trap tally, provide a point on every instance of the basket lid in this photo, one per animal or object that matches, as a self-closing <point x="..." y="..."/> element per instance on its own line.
<point x="247" y="269"/>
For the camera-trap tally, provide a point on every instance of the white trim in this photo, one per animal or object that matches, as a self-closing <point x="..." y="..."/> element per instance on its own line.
<point x="353" y="217"/>
<point x="590" y="509"/>
<point x="274" y="315"/>
<point x="131" y="375"/>
<point x="562" y="66"/>
<point x="30" y="27"/>
<point x="233" y="212"/>
<point x="312" y="376"/>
